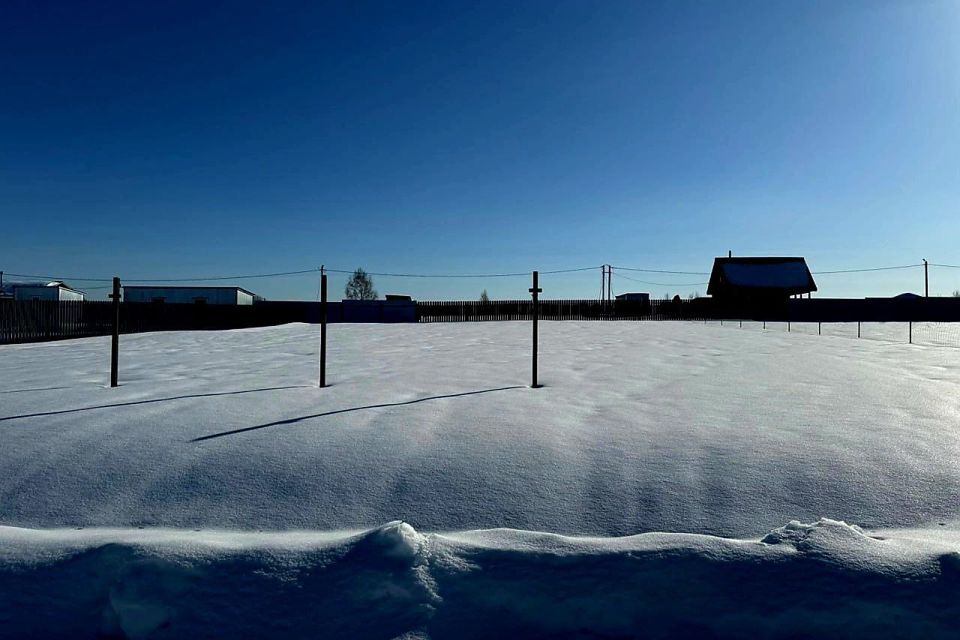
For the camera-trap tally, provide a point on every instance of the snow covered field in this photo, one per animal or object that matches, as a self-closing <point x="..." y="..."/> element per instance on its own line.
<point x="218" y="492"/>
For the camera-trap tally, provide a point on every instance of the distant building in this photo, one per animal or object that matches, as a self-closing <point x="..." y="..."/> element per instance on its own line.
<point x="759" y="279"/>
<point x="55" y="290"/>
<point x="634" y="297"/>
<point x="397" y="297"/>
<point x="189" y="295"/>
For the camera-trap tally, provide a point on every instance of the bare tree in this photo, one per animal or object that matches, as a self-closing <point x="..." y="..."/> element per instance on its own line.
<point x="360" y="286"/>
<point x="956" y="293"/>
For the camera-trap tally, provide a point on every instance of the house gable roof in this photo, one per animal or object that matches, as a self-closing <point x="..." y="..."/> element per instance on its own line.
<point x="786" y="275"/>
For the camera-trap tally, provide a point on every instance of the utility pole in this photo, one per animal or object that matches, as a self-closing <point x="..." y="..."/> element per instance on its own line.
<point x="926" y="278"/>
<point x="609" y="283"/>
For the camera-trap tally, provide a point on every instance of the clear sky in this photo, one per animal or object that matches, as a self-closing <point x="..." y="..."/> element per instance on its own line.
<point x="175" y="139"/>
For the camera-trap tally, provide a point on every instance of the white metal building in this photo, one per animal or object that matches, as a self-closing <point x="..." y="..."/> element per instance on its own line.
<point x="188" y="295"/>
<point x="55" y="290"/>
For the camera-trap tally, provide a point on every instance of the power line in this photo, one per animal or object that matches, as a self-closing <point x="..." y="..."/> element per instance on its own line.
<point x="663" y="284"/>
<point x="464" y="275"/>
<point x="903" y="266"/>
<point x="202" y="279"/>
<point x="383" y="274"/>
<point x="28" y="275"/>
<point x="302" y="272"/>
<point x="682" y="273"/>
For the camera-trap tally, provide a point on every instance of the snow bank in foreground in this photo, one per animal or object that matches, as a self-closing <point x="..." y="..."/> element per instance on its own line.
<point x="827" y="579"/>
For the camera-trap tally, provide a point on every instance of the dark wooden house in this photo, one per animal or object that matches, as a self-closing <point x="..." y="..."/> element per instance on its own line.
<point x="759" y="280"/>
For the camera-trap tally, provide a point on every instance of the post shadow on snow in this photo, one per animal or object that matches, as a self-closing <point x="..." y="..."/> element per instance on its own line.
<point x="136" y="402"/>
<point x="34" y="389"/>
<point x="350" y="410"/>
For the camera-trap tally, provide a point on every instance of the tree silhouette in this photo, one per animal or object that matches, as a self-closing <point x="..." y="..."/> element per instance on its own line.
<point x="360" y="286"/>
<point x="484" y="297"/>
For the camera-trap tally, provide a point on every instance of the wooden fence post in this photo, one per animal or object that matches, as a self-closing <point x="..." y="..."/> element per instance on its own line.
<point x="115" y="338"/>
<point x="535" y="291"/>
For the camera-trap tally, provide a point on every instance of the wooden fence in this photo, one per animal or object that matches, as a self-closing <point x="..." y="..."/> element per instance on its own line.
<point x="35" y="320"/>
<point x="40" y="320"/>
<point x="476" y="311"/>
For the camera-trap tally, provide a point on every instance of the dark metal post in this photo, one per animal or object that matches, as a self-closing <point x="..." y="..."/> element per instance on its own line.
<point x="818" y="329"/>
<point x="609" y="284"/>
<point x="911" y="331"/>
<point x="858" y="328"/>
<point x="115" y="339"/>
<point x="323" y="328"/>
<point x="535" y="291"/>
<point x="926" y="279"/>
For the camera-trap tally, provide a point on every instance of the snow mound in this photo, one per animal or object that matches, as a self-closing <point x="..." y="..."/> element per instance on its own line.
<point x="827" y="578"/>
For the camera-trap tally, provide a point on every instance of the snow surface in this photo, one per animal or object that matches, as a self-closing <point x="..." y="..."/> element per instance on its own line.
<point x="221" y="493"/>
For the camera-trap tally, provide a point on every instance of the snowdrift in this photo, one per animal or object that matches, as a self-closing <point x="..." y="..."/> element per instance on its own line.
<point x="826" y="579"/>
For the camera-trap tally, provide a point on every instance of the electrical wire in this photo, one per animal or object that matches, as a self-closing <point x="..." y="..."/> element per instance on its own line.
<point x="682" y="273"/>
<point x="302" y="272"/>
<point x="903" y="266"/>
<point x="383" y="274"/>
<point x="661" y="284"/>
<point x="206" y="279"/>
<point x="464" y="275"/>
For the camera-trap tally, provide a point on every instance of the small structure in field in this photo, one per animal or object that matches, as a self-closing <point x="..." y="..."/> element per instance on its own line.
<point x="759" y="280"/>
<point x="635" y="297"/>
<point x="189" y="295"/>
<point x="54" y="290"/>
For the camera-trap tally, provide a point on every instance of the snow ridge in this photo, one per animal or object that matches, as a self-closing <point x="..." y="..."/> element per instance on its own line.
<point x="824" y="578"/>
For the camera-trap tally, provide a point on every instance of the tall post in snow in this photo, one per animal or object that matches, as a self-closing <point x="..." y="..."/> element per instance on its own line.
<point x="926" y="278"/>
<point x="535" y="291"/>
<point x="115" y="336"/>
<point x="323" y="328"/>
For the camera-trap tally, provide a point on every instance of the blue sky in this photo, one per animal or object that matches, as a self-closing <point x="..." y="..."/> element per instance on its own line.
<point x="175" y="139"/>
